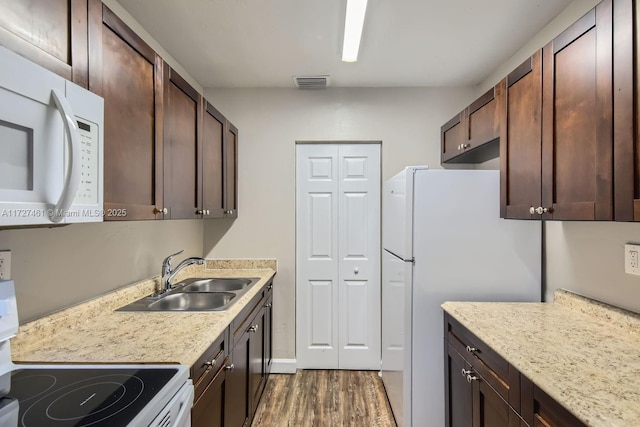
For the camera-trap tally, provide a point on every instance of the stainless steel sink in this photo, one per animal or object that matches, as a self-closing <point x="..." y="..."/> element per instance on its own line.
<point x="193" y="301"/>
<point x="215" y="285"/>
<point x="216" y="294"/>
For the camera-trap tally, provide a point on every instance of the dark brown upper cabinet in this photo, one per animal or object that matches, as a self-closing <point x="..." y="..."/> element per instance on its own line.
<point x="219" y="165"/>
<point x="51" y="33"/>
<point x="128" y="74"/>
<point x="557" y="135"/>
<point x="626" y="80"/>
<point x="521" y="141"/>
<point x="577" y="120"/>
<point x="231" y="171"/>
<point x="212" y="158"/>
<point x="182" y="166"/>
<point x="472" y="136"/>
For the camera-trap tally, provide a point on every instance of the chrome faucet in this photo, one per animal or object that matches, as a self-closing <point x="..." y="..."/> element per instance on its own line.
<point x="168" y="274"/>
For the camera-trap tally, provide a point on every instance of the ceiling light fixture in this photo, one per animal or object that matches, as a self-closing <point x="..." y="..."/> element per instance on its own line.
<point x="353" y="23"/>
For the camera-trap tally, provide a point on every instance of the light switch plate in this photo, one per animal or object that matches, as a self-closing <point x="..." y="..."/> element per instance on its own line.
<point x="631" y="259"/>
<point x="5" y="265"/>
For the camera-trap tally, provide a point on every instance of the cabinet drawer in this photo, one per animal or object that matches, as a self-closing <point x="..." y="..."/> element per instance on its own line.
<point x="203" y="371"/>
<point x="540" y="410"/>
<point x="496" y="371"/>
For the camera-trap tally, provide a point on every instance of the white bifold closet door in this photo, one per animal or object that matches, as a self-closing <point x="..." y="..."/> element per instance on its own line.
<point x="338" y="256"/>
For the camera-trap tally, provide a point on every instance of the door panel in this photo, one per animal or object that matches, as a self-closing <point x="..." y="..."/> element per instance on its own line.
<point x="316" y="253"/>
<point x="338" y="250"/>
<point x="359" y="254"/>
<point x="321" y="314"/>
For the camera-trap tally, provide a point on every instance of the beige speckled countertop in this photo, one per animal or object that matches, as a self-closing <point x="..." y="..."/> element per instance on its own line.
<point x="93" y="332"/>
<point x="582" y="353"/>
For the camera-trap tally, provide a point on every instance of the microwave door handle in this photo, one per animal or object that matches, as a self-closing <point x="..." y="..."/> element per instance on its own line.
<point x="72" y="175"/>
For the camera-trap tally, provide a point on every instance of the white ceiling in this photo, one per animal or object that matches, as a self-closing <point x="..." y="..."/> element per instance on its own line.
<point x="263" y="43"/>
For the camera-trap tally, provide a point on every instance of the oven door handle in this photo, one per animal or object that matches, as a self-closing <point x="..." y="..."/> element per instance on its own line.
<point x="184" y="414"/>
<point x="72" y="175"/>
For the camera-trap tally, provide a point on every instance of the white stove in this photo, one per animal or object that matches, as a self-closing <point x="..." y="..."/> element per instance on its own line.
<point x="87" y="395"/>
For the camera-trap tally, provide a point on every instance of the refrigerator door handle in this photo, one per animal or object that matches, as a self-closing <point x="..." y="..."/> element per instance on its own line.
<point x="412" y="260"/>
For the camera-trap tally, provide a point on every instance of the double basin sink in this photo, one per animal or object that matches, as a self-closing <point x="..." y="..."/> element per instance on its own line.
<point x="216" y="294"/>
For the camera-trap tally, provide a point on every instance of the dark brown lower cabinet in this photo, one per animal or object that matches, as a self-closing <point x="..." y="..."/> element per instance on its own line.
<point x="458" y="393"/>
<point x="483" y="390"/>
<point x="208" y="409"/>
<point x="489" y="409"/>
<point x="236" y="405"/>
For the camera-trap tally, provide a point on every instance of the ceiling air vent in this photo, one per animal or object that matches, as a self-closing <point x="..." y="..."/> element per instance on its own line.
<point x="311" y="82"/>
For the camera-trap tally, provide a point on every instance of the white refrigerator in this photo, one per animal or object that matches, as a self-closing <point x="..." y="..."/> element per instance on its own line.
<point x="443" y="240"/>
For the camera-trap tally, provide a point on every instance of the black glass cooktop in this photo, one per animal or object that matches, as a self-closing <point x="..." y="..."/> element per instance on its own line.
<point x="84" y="397"/>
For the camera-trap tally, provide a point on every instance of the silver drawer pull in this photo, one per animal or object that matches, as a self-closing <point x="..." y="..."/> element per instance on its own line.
<point x="253" y="329"/>
<point x="466" y="372"/>
<point x="471" y="378"/>
<point x="472" y="350"/>
<point x="268" y="305"/>
<point x="230" y="367"/>
<point x="210" y="364"/>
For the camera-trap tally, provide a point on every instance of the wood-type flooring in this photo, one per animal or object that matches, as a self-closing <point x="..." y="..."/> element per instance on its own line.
<point x="319" y="398"/>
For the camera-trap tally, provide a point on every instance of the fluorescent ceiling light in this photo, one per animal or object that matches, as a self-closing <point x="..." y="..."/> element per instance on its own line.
<point x="353" y="23"/>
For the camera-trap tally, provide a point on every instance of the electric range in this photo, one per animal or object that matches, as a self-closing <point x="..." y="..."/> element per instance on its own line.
<point x="87" y="395"/>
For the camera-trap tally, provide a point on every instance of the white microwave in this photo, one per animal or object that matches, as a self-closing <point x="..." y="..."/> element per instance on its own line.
<point x="51" y="147"/>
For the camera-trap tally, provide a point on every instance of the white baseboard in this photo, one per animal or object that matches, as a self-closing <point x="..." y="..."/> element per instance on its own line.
<point x="283" y="366"/>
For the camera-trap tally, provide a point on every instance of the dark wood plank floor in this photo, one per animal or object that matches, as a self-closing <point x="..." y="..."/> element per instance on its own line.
<point x="324" y="398"/>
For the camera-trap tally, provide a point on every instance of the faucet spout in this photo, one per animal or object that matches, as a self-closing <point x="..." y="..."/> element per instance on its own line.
<point x="168" y="273"/>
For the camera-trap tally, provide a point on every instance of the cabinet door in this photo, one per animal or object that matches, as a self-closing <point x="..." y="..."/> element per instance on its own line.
<point x="212" y="160"/>
<point x="483" y="122"/>
<point x="208" y="409"/>
<point x="256" y="359"/>
<point x="521" y="141"/>
<point x="51" y="33"/>
<point x="458" y="393"/>
<point x="182" y="108"/>
<point x="452" y="136"/>
<point x="577" y="109"/>
<point x="489" y="409"/>
<point x="626" y="119"/>
<point x="127" y="73"/>
<point x="236" y="402"/>
<point x="268" y="336"/>
<point x="231" y="171"/>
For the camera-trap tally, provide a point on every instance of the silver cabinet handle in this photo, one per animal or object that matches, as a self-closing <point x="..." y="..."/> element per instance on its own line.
<point x="532" y="210"/>
<point x="210" y="363"/>
<point x="540" y="210"/>
<point x="162" y="211"/>
<point x="270" y="287"/>
<point x="356" y="270"/>
<point x="230" y="367"/>
<point x="208" y="212"/>
<point x="472" y="350"/>
<point x="200" y="212"/>
<point x="253" y="329"/>
<point x="471" y="378"/>
<point x="268" y="305"/>
<point x="466" y="372"/>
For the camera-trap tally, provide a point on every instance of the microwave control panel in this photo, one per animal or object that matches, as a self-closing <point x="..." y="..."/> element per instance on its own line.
<point x="88" y="188"/>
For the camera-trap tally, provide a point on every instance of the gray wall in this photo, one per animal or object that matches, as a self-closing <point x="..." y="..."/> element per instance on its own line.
<point x="407" y="121"/>
<point x="57" y="267"/>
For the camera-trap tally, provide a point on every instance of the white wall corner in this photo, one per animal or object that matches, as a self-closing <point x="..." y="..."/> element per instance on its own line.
<point x="283" y="366"/>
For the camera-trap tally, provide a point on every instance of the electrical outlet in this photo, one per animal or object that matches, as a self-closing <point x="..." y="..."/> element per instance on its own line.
<point x="5" y="265"/>
<point x="631" y="259"/>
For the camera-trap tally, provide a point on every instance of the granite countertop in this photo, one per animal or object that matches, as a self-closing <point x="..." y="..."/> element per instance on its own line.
<point x="582" y="353"/>
<point x="93" y="332"/>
